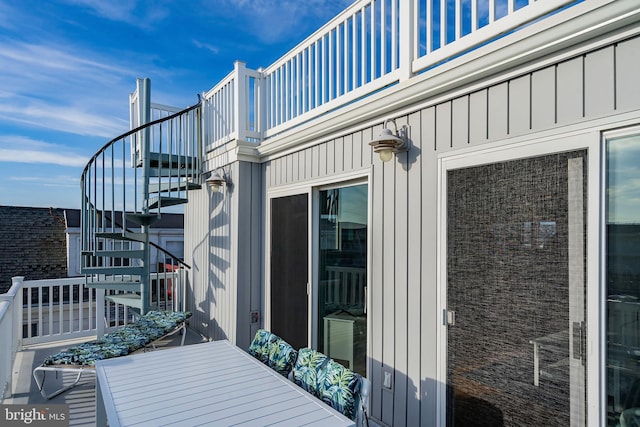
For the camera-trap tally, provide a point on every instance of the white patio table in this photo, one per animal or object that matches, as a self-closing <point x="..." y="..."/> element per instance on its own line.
<point x="214" y="383"/>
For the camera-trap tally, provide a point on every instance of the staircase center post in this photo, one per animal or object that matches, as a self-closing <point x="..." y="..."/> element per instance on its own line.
<point x="145" y="112"/>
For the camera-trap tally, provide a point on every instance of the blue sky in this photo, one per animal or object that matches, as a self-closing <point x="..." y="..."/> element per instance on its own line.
<point x="67" y="68"/>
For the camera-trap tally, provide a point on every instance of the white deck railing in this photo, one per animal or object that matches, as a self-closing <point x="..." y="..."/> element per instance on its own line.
<point x="59" y="309"/>
<point x="62" y="309"/>
<point x="369" y="46"/>
<point x="40" y="311"/>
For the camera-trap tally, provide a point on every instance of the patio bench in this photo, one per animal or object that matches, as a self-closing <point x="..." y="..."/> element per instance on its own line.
<point x="337" y="386"/>
<point x="141" y="334"/>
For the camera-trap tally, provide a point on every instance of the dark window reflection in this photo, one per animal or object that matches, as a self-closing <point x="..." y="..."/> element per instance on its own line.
<point x="623" y="281"/>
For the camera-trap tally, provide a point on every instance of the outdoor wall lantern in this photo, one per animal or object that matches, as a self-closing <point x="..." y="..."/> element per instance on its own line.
<point x="216" y="181"/>
<point x="390" y="142"/>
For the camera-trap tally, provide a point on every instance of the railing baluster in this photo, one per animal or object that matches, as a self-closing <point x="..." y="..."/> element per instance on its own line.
<point x="51" y="310"/>
<point x="71" y="307"/>
<point x="492" y="11"/>
<point x="40" y="329"/>
<point x="383" y="38"/>
<point x="363" y="45"/>
<point x="373" y="52"/>
<point x="331" y="49"/>
<point x="61" y="309"/>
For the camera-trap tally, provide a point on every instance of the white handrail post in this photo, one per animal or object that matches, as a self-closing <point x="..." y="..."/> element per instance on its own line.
<point x="144" y="99"/>
<point x="408" y="36"/>
<point x="12" y="307"/>
<point x="16" y="283"/>
<point x="261" y="104"/>
<point x="100" y="313"/>
<point x="240" y="101"/>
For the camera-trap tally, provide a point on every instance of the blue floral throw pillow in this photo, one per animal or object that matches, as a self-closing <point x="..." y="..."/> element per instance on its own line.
<point x="282" y="357"/>
<point x="307" y="366"/>
<point x="260" y="348"/>
<point x="339" y="387"/>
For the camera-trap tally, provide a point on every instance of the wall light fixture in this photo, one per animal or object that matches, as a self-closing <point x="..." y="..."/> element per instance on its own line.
<point x="216" y="181"/>
<point x="391" y="142"/>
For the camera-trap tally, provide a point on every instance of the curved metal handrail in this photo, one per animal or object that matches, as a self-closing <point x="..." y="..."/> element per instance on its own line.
<point x="132" y="131"/>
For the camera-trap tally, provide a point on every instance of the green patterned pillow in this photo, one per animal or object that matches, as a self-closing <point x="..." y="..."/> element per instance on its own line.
<point x="305" y="371"/>
<point x="261" y="345"/>
<point x="282" y="357"/>
<point x="339" y="387"/>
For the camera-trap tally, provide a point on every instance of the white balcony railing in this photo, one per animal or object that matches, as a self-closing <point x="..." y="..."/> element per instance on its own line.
<point x="371" y="45"/>
<point x="40" y="311"/>
<point x="59" y="309"/>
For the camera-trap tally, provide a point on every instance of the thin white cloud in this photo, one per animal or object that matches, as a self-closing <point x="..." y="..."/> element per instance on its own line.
<point x="64" y="181"/>
<point x="50" y="57"/>
<point x="62" y="89"/>
<point x="206" y="46"/>
<point x="136" y="13"/>
<point x="283" y="18"/>
<point x="121" y="10"/>
<point x="70" y="119"/>
<point x="19" y="149"/>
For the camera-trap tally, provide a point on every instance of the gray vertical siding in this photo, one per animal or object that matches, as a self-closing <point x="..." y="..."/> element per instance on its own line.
<point x="223" y="235"/>
<point x="403" y="288"/>
<point x="207" y="244"/>
<point x="246" y="257"/>
<point x="627" y="63"/>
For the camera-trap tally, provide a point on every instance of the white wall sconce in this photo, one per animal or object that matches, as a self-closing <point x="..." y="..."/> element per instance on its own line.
<point x="390" y="142"/>
<point x="216" y="181"/>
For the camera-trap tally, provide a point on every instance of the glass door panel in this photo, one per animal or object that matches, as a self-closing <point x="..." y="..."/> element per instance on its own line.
<point x="289" y="269"/>
<point x="516" y="262"/>
<point x="342" y="275"/>
<point x="623" y="280"/>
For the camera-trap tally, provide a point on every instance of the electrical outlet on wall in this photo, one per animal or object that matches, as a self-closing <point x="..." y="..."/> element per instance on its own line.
<point x="387" y="379"/>
<point x="255" y="317"/>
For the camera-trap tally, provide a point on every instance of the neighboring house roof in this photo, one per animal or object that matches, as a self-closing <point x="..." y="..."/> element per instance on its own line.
<point x="33" y="240"/>
<point x="32" y="244"/>
<point x="167" y="220"/>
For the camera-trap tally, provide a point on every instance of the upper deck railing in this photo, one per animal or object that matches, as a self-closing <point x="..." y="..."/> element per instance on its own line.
<point x="369" y="46"/>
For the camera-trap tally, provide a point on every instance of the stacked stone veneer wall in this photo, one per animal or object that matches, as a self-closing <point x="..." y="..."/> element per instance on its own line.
<point x="32" y="244"/>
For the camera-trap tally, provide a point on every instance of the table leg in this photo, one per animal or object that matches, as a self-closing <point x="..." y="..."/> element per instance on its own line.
<point x="101" y="413"/>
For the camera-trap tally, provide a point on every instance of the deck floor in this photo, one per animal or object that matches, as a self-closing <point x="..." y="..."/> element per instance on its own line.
<point x="82" y="398"/>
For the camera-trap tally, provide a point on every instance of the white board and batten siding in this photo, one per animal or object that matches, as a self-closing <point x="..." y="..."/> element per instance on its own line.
<point x="595" y="84"/>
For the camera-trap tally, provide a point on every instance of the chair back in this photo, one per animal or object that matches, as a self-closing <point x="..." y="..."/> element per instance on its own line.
<point x="273" y="351"/>
<point x="260" y="347"/>
<point x="363" y="403"/>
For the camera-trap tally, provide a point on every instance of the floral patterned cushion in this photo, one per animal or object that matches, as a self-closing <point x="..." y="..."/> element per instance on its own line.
<point x="282" y="357"/>
<point x="260" y="347"/>
<point x="306" y="368"/>
<point x="128" y="339"/>
<point x="339" y="387"/>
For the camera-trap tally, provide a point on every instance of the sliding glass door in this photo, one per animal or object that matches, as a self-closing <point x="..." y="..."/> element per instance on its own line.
<point x="623" y="279"/>
<point x="516" y="292"/>
<point x="289" y="279"/>
<point x="342" y="275"/>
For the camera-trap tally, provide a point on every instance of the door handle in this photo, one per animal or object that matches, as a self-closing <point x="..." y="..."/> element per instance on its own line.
<point x="579" y="341"/>
<point x="366" y="300"/>
<point x="448" y="317"/>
